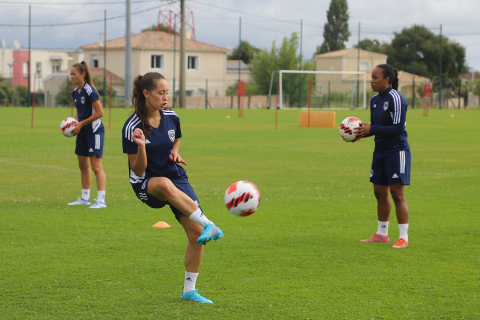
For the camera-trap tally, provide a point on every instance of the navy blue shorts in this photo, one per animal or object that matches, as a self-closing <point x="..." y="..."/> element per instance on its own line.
<point x="181" y="183"/>
<point x="391" y="168"/>
<point x="89" y="144"/>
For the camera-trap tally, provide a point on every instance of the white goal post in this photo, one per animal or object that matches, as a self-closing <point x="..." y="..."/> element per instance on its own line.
<point x="281" y="72"/>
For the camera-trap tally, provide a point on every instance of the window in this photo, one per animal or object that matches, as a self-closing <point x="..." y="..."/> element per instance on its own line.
<point x="320" y="88"/>
<point x="55" y="67"/>
<point x="25" y="69"/>
<point x="364" y="66"/>
<point x="39" y="67"/>
<point x="156" y="61"/>
<point x="192" y="62"/>
<point x="94" y="59"/>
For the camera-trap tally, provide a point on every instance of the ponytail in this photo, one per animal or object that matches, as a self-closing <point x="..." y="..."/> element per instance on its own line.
<point x="146" y="82"/>
<point x="390" y="72"/>
<point x="83" y="68"/>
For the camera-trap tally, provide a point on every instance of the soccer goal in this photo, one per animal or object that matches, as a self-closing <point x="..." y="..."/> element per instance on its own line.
<point x="318" y="89"/>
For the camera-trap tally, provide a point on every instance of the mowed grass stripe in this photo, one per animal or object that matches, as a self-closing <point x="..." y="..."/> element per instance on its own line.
<point x="298" y="257"/>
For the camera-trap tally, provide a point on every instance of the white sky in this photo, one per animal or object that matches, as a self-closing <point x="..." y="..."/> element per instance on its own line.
<point x="217" y="21"/>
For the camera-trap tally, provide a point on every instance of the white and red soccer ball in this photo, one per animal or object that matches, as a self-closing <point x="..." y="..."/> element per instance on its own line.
<point x="347" y="128"/>
<point x="67" y="125"/>
<point x="242" y="198"/>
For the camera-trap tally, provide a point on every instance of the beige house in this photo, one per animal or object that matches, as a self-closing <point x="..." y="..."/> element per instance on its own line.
<point x="155" y="51"/>
<point x="357" y="60"/>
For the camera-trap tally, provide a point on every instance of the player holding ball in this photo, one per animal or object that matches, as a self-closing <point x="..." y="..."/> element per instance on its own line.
<point x="391" y="158"/>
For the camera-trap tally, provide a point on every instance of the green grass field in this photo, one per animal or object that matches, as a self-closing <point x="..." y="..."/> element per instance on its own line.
<point x="297" y="257"/>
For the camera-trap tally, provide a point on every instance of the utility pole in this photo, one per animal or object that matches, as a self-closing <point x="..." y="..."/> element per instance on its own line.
<point x="105" y="61"/>
<point x="128" y="57"/>
<point x="11" y="79"/>
<point x="414" y="58"/>
<point x="300" y="75"/>
<point x="440" y="90"/>
<point x="358" y="66"/>
<point x="174" y="54"/>
<point x="183" y="72"/>
<point x="29" y="50"/>
<point x="239" y="58"/>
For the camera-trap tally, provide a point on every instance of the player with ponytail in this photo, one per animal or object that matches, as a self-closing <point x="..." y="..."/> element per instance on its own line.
<point x="151" y="139"/>
<point x="90" y="134"/>
<point x="391" y="162"/>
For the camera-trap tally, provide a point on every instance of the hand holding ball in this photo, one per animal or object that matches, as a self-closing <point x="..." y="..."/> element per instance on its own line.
<point x="67" y="125"/>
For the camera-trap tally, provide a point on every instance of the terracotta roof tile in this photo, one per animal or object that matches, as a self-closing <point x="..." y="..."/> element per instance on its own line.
<point x="353" y="52"/>
<point x="156" y="40"/>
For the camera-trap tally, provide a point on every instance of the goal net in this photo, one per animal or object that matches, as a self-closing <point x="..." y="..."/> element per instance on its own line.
<point x="318" y="89"/>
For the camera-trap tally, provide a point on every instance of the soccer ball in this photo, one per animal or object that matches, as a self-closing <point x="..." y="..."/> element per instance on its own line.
<point x="346" y="129"/>
<point x="242" y="198"/>
<point x="67" y="125"/>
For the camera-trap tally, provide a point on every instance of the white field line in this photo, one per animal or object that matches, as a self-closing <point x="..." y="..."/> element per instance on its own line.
<point x="56" y="168"/>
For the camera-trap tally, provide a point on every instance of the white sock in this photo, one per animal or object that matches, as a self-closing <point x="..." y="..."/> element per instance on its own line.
<point x="199" y="218"/>
<point x="190" y="280"/>
<point x="101" y="196"/>
<point x="382" y="228"/>
<point x="85" y="194"/>
<point x="403" y="228"/>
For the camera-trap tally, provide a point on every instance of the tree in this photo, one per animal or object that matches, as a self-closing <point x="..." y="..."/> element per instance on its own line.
<point x="154" y="28"/>
<point x="400" y="54"/>
<point x="283" y="58"/>
<point x="335" y="31"/>
<point x="373" y="45"/>
<point x="248" y="52"/>
<point x="5" y="92"/>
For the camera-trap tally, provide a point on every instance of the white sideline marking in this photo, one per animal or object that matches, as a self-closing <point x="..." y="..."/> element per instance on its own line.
<point x="52" y="167"/>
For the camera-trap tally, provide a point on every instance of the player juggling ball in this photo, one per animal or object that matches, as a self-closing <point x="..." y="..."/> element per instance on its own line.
<point x="151" y="138"/>
<point x="391" y="158"/>
<point x="90" y="135"/>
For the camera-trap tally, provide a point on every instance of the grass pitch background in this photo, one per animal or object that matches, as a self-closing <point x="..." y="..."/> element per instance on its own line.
<point x="298" y="257"/>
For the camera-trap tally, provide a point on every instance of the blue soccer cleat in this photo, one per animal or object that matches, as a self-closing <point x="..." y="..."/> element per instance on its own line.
<point x="209" y="232"/>
<point x="98" y="204"/>
<point x="80" y="202"/>
<point x="194" y="296"/>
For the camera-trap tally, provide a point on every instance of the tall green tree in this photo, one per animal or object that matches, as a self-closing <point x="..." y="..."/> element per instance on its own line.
<point x="335" y="31"/>
<point x="247" y="54"/>
<point x="373" y="45"/>
<point x="282" y="58"/>
<point x="400" y="54"/>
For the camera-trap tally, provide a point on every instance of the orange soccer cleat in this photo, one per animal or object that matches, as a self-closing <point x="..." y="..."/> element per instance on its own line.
<point x="401" y="243"/>
<point x="377" y="238"/>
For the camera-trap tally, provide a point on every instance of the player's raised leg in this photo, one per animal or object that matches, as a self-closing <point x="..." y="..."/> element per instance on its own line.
<point x="164" y="190"/>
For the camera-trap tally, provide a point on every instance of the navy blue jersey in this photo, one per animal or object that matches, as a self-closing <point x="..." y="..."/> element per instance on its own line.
<point x="158" y="146"/>
<point x="388" y="111"/>
<point x="83" y="103"/>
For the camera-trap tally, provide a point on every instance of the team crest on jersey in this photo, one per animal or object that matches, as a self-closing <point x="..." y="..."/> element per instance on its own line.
<point x="171" y="135"/>
<point x="82" y="100"/>
<point x="385" y="106"/>
<point x="374" y="106"/>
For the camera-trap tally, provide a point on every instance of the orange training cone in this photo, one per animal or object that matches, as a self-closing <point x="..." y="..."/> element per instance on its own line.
<point x="161" y="224"/>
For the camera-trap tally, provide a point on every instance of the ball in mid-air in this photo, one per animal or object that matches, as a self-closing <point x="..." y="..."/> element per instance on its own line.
<point x="67" y="125"/>
<point x="242" y="198"/>
<point x="347" y="129"/>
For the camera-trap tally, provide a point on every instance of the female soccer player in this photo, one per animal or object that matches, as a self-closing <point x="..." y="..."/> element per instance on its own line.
<point x="391" y="157"/>
<point x="90" y="135"/>
<point x="151" y="138"/>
